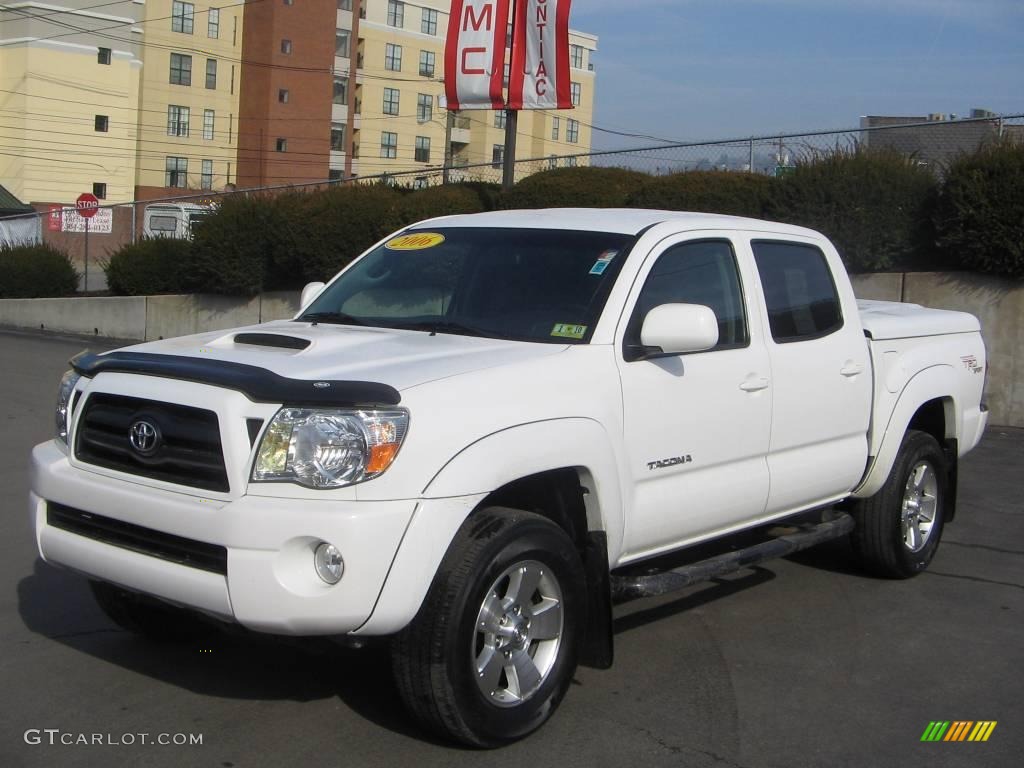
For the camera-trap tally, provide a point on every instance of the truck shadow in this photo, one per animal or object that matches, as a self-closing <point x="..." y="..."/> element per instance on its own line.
<point x="58" y="605"/>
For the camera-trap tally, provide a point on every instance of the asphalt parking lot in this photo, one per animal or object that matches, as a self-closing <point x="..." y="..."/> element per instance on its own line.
<point x="799" y="662"/>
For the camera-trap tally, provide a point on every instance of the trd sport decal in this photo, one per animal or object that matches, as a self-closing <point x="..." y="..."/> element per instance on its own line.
<point x="662" y="463"/>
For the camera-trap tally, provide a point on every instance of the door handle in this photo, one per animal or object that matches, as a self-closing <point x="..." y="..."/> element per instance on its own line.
<point x="754" y="384"/>
<point x="851" y="368"/>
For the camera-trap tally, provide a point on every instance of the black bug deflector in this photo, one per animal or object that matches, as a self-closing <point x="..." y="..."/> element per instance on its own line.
<point x="258" y="384"/>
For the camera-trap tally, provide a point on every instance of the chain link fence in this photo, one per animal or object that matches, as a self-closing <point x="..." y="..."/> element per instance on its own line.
<point x="932" y="142"/>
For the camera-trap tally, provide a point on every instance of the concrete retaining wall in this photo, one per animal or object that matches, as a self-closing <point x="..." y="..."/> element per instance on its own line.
<point x="999" y="304"/>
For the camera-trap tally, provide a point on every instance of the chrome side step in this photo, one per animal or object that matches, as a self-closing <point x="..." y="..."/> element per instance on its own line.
<point x="632" y="587"/>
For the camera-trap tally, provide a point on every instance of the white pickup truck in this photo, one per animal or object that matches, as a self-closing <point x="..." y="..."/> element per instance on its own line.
<point x="489" y="427"/>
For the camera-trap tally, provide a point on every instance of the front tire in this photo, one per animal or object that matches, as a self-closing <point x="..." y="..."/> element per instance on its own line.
<point x="493" y="649"/>
<point x="899" y="528"/>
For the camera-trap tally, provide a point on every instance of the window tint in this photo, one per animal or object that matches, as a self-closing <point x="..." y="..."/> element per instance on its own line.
<point x="701" y="272"/>
<point x="798" y="290"/>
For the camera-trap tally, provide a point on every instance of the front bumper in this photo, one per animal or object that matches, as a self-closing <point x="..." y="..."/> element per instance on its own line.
<point x="270" y="584"/>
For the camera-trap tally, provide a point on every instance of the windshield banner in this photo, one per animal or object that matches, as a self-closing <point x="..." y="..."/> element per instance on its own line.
<point x="540" y="56"/>
<point x="474" y="54"/>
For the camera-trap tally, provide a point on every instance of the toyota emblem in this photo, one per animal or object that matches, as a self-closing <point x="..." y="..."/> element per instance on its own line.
<point x="144" y="436"/>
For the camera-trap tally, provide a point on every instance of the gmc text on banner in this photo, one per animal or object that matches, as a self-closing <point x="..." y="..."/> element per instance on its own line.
<point x="474" y="54"/>
<point x="540" y="56"/>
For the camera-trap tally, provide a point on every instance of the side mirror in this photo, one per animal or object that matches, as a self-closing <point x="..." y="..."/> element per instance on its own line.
<point x="309" y="293"/>
<point x="674" y="329"/>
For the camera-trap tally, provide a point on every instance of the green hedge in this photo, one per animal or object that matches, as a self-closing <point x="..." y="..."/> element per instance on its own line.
<point x="979" y="216"/>
<point x="874" y="205"/>
<point x="36" y="271"/>
<point x="584" y="187"/>
<point x="730" y="192"/>
<point x="440" y="201"/>
<point x="152" y="266"/>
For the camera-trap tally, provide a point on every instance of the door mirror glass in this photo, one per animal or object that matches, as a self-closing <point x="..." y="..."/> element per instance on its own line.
<point x="309" y="293"/>
<point x="675" y="329"/>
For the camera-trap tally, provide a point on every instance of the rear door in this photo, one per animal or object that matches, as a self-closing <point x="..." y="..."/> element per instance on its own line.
<point x="821" y="373"/>
<point x="696" y="426"/>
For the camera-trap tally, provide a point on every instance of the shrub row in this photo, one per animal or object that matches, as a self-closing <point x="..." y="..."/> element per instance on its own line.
<point x="881" y="209"/>
<point x="31" y="271"/>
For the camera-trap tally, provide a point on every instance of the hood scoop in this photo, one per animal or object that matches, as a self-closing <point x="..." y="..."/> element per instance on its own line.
<point x="271" y="340"/>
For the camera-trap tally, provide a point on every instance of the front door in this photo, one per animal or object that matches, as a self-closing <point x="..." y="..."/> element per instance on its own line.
<point x="697" y="425"/>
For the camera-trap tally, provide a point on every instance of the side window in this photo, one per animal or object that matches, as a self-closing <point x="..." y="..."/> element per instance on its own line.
<point x="702" y="272"/>
<point x="799" y="291"/>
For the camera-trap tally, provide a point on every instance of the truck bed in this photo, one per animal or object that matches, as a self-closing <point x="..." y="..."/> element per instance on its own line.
<point x="895" y="320"/>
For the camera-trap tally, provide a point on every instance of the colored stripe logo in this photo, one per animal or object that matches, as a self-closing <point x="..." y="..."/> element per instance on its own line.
<point x="958" y="730"/>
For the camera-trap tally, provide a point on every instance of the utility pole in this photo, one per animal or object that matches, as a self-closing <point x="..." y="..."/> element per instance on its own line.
<point x="446" y="172"/>
<point x="508" y="175"/>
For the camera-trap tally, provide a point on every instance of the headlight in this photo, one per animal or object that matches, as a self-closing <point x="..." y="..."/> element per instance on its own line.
<point x="67" y="386"/>
<point x="329" y="448"/>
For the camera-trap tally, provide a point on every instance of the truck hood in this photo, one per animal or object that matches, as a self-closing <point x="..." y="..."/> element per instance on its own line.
<point x="399" y="358"/>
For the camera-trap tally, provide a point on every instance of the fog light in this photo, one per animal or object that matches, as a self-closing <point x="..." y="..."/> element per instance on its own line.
<point x="328" y="563"/>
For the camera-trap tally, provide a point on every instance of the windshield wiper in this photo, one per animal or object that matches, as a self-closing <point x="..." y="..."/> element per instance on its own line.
<point x="339" y="318"/>
<point x="445" y="326"/>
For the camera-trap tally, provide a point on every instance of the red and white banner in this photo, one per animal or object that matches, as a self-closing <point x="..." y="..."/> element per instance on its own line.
<point x="474" y="54"/>
<point x="540" y="56"/>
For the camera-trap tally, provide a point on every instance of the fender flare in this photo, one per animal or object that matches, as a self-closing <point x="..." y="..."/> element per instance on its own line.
<point x="483" y="466"/>
<point x="937" y="382"/>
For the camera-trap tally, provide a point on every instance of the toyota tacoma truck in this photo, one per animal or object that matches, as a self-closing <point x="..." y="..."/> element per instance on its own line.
<point x="488" y="429"/>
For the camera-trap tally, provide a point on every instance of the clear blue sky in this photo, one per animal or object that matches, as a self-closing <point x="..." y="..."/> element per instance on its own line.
<point x="703" y="69"/>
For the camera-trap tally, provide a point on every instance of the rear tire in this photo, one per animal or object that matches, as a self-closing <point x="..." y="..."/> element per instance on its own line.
<point x="899" y="528"/>
<point x="493" y="648"/>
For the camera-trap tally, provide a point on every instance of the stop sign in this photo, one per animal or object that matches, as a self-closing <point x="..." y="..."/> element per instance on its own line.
<point x="87" y="205"/>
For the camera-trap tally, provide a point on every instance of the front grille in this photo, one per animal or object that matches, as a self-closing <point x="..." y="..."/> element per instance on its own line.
<point x="176" y="549"/>
<point x="187" y="450"/>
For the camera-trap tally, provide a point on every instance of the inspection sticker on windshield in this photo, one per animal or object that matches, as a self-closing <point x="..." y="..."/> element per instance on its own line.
<point x="414" y="241"/>
<point x="567" y="331"/>
<point x="602" y="262"/>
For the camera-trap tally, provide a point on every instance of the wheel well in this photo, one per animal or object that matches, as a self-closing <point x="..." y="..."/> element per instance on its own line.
<point x="931" y="418"/>
<point x="555" y="494"/>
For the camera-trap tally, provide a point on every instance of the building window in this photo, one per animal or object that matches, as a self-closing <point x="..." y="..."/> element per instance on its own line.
<point x="396" y="13"/>
<point x="500" y="117"/>
<point x="177" y="120"/>
<point x="570" y="162"/>
<point x="338" y="137"/>
<point x="340" y="90"/>
<point x="177" y="171"/>
<point x="289" y="2"/>
<point x="281" y="145"/>
<point x="99" y="189"/>
<point x="102" y="123"/>
<point x="181" y="69"/>
<point x="428" y="21"/>
<point x="552" y="161"/>
<point x="102" y="55"/>
<point x="422" y="149"/>
<point x="427" y="63"/>
<point x="286" y="46"/>
<point x="572" y="130"/>
<point x="393" y="57"/>
<point x="390" y="101"/>
<point x="424" y="107"/>
<point x="342" y="38"/>
<point x="575" y="89"/>
<point x="576" y="56"/>
<point x="554" y="128"/>
<point x="206" y="179"/>
<point x="182" y="15"/>
<point x="344" y="5"/>
<point x="211" y="73"/>
<point x="213" y="25"/>
<point x="388" y="144"/>
<point x="208" y="118"/>
<point x="497" y="155"/>
<point x="335" y="174"/>
<point x="282" y="95"/>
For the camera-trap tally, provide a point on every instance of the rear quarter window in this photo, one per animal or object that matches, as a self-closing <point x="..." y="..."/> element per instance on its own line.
<point x="799" y="291"/>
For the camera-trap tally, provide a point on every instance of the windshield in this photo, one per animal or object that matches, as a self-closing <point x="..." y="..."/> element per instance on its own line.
<point x="524" y="284"/>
